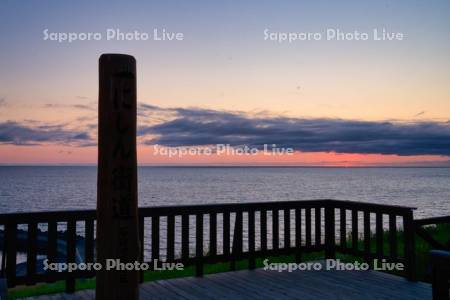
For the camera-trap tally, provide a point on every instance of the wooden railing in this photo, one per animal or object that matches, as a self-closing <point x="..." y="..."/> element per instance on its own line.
<point x="426" y="236"/>
<point x="440" y="265"/>
<point x="204" y="234"/>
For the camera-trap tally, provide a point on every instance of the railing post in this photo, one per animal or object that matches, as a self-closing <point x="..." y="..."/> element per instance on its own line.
<point x="71" y="253"/>
<point x="199" y="245"/>
<point x="410" y="247"/>
<point x="330" y="243"/>
<point x="11" y="248"/>
<point x="298" y="234"/>
<point x="440" y="264"/>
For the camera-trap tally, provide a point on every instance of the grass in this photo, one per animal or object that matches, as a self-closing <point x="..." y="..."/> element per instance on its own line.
<point x="439" y="232"/>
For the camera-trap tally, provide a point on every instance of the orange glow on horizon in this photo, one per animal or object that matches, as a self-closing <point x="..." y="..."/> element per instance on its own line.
<point x="57" y="154"/>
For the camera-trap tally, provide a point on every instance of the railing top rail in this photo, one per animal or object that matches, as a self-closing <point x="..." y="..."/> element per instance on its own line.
<point x="44" y="216"/>
<point x="368" y="205"/>
<point x="430" y="221"/>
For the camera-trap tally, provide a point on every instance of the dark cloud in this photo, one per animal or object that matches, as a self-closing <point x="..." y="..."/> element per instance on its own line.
<point x="195" y="127"/>
<point x="176" y="127"/>
<point x="420" y="114"/>
<point x="2" y="101"/>
<point x="19" y="134"/>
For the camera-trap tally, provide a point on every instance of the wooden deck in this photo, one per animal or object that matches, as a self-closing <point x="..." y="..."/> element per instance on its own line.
<point x="260" y="284"/>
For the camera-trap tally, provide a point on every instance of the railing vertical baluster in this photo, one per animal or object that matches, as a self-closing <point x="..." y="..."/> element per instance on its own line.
<point x="330" y="240"/>
<point x="263" y="229"/>
<point x="89" y="240"/>
<point x="298" y="234"/>
<point x="410" y="246"/>
<point x="318" y="226"/>
<point x="237" y="240"/>
<point x="170" y="238"/>
<point x="185" y="237"/>
<point x="155" y="239"/>
<point x="354" y="229"/>
<point x="199" y="245"/>
<point x="31" y="253"/>
<point x="275" y="229"/>
<point x="343" y="229"/>
<point x="251" y="239"/>
<point x="308" y="227"/>
<point x="11" y="253"/>
<point x="379" y="234"/>
<point x="393" y="236"/>
<point x="226" y="234"/>
<point x="213" y="234"/>
<point x="141" y="245"/>
<point x="287" y="228"/>
<point x="52" y="243"/>
<point x="71" y="233"/>
<point x="367" y="233"/>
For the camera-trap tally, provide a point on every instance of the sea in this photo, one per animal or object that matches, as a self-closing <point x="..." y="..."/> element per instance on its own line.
<point x="49" y="188"/>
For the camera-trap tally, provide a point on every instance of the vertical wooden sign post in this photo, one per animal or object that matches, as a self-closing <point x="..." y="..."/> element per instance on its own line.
<point x="117" y="214"/>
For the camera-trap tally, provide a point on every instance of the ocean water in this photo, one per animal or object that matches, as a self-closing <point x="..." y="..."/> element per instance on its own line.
<point x="64" y="188"/>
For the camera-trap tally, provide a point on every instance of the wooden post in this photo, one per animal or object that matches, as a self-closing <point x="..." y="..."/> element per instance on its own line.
<point x="117" y="214"/>
<point x="330" y="243"/>
<point x="410" y="245"/>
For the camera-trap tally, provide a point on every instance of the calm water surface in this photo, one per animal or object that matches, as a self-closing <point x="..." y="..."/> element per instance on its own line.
<point x="64" y="188"/>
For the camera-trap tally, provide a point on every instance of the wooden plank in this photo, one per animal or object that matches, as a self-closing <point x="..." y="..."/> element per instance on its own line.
<point x="287" y="228"/>
<point x="355" y="229"/>
<point x="52" y="243"/>
<point x="367" y="234"/>
<point x="155" y="238"/>
<point x="330" y="239"/>
<point x="213" y="234"/>
<point x="237" y="239"/>
<point x="275" y="229"/>
<point x="185" y="237"/>
<point x="308" y="227"/>
<point x="71" y="252"/>
<point x="393" y="236"/>
<point x="251" y="285"/>
<point x="410" y="246"/>
<point x="251" y="239"/>
<point x="211" y="288"/>
<point x="298" y="234"/>
<point x="263" y="230"/>
<point x="170" y="238"/>
<point x="11" y="253"/>
<point x="379" y="234"/>
<point x="89" y="240"/>
<point x="176" y="289"/>
<point x="141" y="245"/>
<point x="31" y="253"/>
<point x="318" y="225"/>
<point x="226" y="234"/>
<point x="199" y="245"/>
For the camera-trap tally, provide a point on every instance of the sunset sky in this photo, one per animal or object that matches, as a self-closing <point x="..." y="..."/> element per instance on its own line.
<point x="337" y="103"/>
